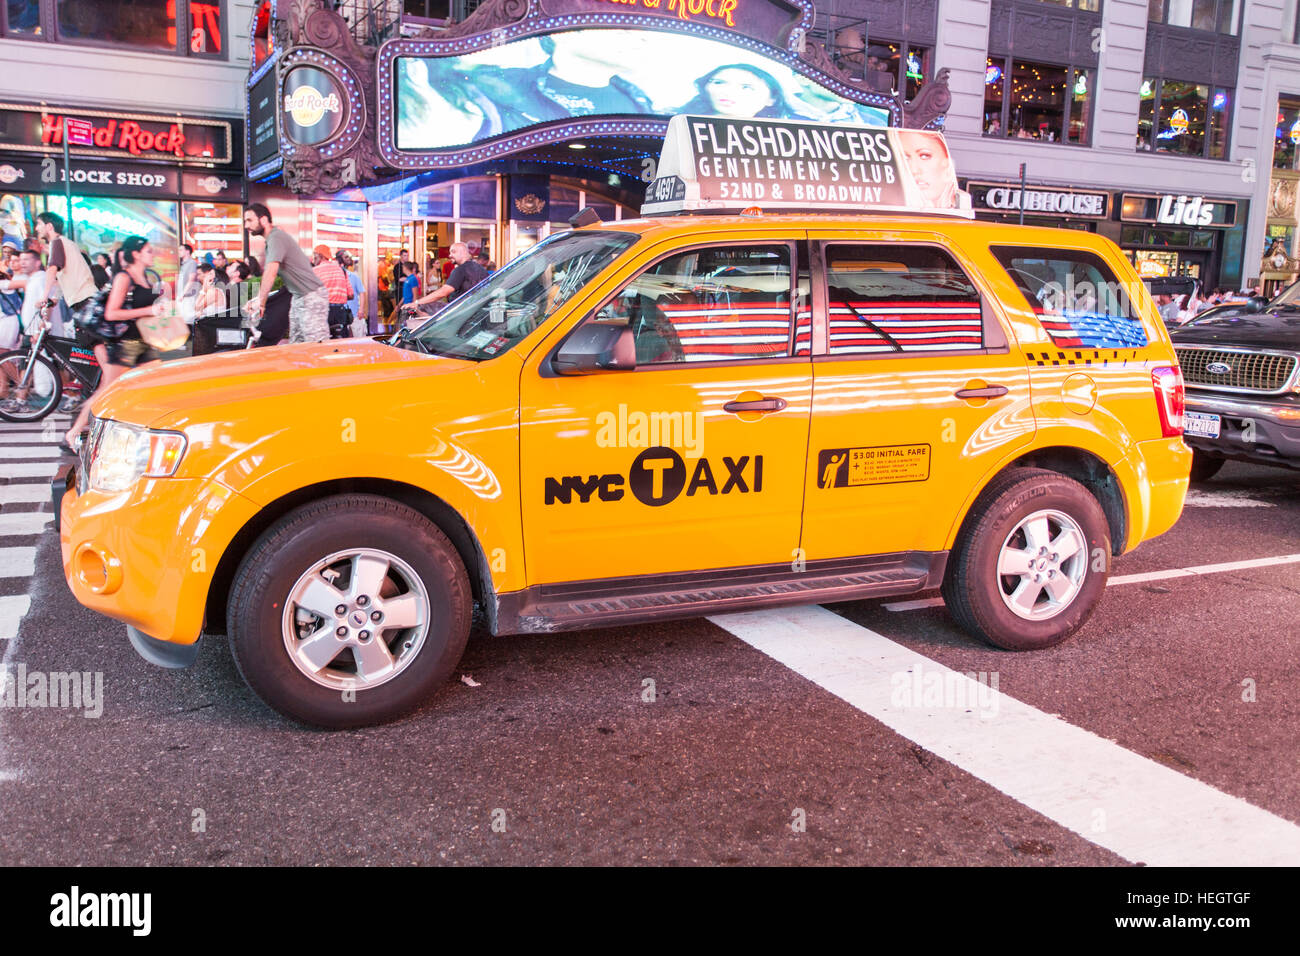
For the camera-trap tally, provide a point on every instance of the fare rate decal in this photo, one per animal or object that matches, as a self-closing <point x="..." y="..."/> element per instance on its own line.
<point x="770" y="161"/>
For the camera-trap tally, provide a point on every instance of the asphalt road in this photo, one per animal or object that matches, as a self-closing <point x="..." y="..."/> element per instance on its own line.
<point x="555" y="756"/>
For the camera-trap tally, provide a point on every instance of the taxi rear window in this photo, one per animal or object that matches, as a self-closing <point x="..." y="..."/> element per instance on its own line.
<point x="1075" y="295"/>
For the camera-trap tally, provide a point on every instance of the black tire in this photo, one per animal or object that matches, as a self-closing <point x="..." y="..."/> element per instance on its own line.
<point x="300" y="540"/>
<point x="1205" y="466"/>
<point x="12" y="364"/>
<point x="972" y="588"/>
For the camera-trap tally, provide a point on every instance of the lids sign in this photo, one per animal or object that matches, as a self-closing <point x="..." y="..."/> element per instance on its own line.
<point x="722" y="164"/>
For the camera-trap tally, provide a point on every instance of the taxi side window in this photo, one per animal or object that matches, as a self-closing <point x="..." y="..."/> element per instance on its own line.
<point x="1075" y="295"/>
<point x="895" y="298"/>
<point x="722" y="303"/>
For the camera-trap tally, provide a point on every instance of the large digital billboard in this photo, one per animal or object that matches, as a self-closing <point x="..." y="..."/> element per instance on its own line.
<point x="454" y="106"/>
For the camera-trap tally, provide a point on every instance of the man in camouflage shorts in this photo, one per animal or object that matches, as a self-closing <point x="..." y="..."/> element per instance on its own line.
<point x="309" y="307"/>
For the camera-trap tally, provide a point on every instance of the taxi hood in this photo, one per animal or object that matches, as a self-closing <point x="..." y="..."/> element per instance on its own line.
<point x="145" y="395"/>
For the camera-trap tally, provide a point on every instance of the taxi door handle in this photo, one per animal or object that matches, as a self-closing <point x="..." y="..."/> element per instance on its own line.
<point x="761" y="405"/>
<point x="988" y="391"/>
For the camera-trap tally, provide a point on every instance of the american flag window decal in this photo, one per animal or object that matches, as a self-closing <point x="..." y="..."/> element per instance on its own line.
<point x="1075" y="296"/>
<point x="712" y="304"/>
<point x="898" y="299"/>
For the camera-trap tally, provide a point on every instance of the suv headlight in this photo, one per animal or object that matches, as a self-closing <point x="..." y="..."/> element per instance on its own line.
<point x="123" y="454"/>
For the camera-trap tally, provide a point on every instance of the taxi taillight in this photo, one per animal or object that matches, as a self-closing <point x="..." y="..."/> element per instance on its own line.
<point x="1171" y="400"/>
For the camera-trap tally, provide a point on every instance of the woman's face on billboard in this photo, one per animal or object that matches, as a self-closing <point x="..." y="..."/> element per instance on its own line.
<point x="734" y="92"/>
<point x="930" y="167"/>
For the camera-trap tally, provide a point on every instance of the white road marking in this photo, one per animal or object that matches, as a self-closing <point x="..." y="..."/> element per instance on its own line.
<point x="24" y="522"/>
<point x="24" y="493"/>
<point x="1133" y="806"/>
<point x="27" y="437"/>
<point x="17" y="562"/>
<point x="30" y="469"/>
<point x="12" y="610"/>
<point x="33" y="451"/>
<point x="1224" y="499"/>
<point x="1138" y="578"/>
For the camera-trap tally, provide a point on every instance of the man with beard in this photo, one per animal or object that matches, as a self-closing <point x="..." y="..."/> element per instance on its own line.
<point x="309" y="308"/>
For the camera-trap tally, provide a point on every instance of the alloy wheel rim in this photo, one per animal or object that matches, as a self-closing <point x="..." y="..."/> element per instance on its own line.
<point x="356" y="619"/>
<point x="1042" y="564"/>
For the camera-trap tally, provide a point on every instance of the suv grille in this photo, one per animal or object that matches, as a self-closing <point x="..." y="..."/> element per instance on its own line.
<point x="1250" y="371"/>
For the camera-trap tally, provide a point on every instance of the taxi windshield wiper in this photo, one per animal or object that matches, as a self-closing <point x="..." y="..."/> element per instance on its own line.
<point x="843" y="296"/>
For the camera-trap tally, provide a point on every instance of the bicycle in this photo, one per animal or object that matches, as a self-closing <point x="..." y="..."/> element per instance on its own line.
<point x="30" y="381"/>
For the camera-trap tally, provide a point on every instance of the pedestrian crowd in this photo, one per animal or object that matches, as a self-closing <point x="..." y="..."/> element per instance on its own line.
<point x="1180" y="309"/>
<point x="117" y="304"/>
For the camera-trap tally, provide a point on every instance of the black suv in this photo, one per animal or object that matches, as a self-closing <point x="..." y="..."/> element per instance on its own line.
<point x="1242" y="372"/>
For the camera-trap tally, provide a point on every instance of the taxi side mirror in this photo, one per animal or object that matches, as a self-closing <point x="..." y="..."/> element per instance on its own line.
<point x="596" y="347"/>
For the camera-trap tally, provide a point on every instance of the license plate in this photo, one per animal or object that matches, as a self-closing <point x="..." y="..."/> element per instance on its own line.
<point x="230" y="336"/>
<point x="1200" y="425"/>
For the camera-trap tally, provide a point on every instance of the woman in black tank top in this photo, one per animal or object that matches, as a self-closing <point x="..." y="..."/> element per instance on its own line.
<point x="131" y="297"/>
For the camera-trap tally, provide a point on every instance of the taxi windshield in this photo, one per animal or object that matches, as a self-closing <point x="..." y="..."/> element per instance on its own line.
<point x="502" y="309"/>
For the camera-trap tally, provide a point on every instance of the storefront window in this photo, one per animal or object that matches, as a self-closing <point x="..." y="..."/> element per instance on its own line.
<point x="100" y="225"/>
<point x="896" y="66"/>
<point x="23" y="18"/>
<point x="1286" y="137"/>
<point x="212" y="228"/>
<point x="262" y="39"/>
<point x="439" y="202"/>
<point x="205" y="27"/>
<point x="1212" y="16"/>
<point x="147" y="24"/>
<point x="478" y="199"/>
<point x="994" y="68"/>
<point x="1037" y="101"/>
<point x="1190" y="119"/>
<point x="191" y="27"/>
<point x="1089" y="5"/>
<point x="427" y="9"/>
<point x="564" y="204"/>
<point x="1181" y="127"/>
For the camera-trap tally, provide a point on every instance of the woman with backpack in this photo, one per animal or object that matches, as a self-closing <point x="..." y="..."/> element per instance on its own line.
<point x="129" y="299"/>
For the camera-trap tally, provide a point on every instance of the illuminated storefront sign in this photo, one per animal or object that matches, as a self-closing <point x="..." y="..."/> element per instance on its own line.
<point x="36" y="129"/>
<point x="263" y="134"/>
<point x="599" y="72"/>
<point x="1066" y="203"/>
<point x="320" y="105"/>
<point x="1170" y="210"/>
<point x="118" y="179"/>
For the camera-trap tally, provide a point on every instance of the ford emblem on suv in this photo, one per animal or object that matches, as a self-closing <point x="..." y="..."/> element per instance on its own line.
<point x="1218" y="368"/>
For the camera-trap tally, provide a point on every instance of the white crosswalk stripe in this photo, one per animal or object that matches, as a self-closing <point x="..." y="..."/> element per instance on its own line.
<point x="33" y="469"/>
<point x="17" y="562"/>
<point x="29" y="457"/>
<point x="33" y="451"/>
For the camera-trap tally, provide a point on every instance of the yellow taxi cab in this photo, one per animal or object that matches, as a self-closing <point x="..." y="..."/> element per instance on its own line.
<point x="637" y="420"/>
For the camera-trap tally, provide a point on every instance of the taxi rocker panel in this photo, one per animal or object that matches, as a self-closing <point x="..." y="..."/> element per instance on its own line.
<point x="581" y="605"/>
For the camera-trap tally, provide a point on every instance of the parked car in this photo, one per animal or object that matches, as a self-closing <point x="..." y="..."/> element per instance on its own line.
<point x="1242" y="374"/>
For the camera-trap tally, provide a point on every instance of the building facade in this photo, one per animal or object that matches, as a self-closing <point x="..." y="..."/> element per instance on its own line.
<point x="156" y="87"/>
<point x="1168" y="125"/>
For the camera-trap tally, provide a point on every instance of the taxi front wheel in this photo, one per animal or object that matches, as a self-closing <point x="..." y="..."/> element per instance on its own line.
<point x="1030" y="562"/>
<point x="349" y="611"/>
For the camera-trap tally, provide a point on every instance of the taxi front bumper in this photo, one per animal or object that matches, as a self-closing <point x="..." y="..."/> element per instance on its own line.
<point x="146" y="557"/>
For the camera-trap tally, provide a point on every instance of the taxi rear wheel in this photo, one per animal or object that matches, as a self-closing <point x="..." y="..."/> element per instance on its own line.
<point x="349" y="611"/>
<point x="1030" y="562"/>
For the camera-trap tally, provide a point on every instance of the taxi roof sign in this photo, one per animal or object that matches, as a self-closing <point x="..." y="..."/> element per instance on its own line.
<point x="724" y="164"/>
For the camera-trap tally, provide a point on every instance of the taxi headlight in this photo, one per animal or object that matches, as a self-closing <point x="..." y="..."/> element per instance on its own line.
<point x="126" y="453"/>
